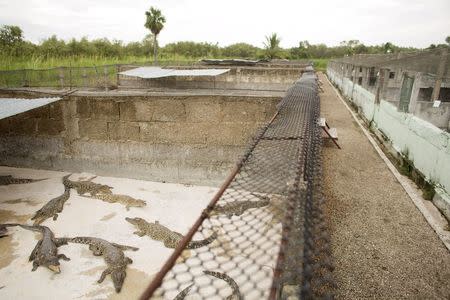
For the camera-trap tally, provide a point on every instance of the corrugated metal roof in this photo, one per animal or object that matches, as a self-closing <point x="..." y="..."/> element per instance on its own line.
<point x="157" y="72"/>
<point x="13" y="106"/>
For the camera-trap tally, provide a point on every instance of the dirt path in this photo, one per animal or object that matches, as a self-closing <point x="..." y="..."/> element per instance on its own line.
<point x="383" y="247"/>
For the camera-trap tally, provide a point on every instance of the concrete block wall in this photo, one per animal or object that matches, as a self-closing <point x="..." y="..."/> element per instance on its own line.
<point x="188" y="139"/>
<point x="247" y="78"/>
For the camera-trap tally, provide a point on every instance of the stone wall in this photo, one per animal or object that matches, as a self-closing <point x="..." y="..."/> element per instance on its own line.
<point x="189" y="139"/>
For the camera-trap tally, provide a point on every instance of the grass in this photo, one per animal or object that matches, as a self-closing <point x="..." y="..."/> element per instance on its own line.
<point x="37" y="62"/>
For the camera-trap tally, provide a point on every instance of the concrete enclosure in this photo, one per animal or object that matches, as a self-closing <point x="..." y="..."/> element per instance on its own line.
<point x="188" y="138"/>
<point x="240" y="78"/>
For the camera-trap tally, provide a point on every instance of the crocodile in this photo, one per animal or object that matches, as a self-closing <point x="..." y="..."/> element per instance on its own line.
<point x="45" y="253"/>
<point x="161" y="233"/>
<point x="87" y="186"/>
<point x="236" y="294"/>
<point x="184" y="292"/>
<point x="117" y="198"/>
<point x="52" y="207"/>
<point x="8" y="179"/>
<point x="113" y="255"/>
<point x="237" y="208"/>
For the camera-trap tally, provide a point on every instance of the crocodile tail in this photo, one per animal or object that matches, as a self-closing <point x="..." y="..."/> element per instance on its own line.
<point x="229" y="280"/>
<point x="36" y="228"/>
<point x="80" y="240"/>
<point x="201" y="243"/>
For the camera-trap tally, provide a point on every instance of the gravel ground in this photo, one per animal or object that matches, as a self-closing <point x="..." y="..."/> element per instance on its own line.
<point x="382" y="245"/>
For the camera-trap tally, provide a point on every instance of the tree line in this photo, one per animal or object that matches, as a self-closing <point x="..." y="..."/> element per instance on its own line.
<point x="13" y="44"/>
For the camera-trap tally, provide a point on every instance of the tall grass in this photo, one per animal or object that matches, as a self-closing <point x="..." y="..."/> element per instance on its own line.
<point x="38" y="62"/>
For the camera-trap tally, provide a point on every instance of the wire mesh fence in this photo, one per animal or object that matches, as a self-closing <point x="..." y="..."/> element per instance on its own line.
<point x="263" y="235"/>
<point x="104" y="76"/>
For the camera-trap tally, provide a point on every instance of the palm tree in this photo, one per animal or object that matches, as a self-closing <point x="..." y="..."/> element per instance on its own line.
<point x="155" y="23"/>
<point x="272" y="45"/>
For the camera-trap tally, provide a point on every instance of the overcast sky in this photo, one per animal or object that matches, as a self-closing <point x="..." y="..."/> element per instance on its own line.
<point x="404" y="22"/>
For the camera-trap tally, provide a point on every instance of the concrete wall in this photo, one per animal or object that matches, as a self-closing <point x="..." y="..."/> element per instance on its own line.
<point x="189" y="139"/>
<point x="245" y="78"/>
<point x="427" y="146"/>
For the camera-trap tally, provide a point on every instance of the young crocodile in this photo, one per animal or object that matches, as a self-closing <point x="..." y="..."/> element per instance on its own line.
<point x="45" y="253"/>
<point x="52" y="207"/>
<point x="237" y="208"/>
<point x="114" y="257"/>
<point x="234" y="287"/>
<point x="8" y="179"/>
<point x="122" y="199"/>
<point x="161" y="233"/>
<point x="184" y="292"/>
<point x="87" y="186"/>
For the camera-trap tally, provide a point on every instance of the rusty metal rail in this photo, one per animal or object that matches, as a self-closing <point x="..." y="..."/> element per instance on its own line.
<point x="271" y="240"/>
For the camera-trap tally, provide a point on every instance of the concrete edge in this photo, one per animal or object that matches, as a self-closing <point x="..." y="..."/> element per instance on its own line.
<point x="430" y="212"/>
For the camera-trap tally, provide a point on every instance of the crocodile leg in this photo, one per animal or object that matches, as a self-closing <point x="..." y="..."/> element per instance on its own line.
<point x="95" y="250"/>
<point x="55" y="216"/>
<point x="103" y="276"/>
<point x="35" y="250"/>
<point x="139" y="233"/>
<point x="61" y="241"/>
<point x="125" y="247"/>
<point x="35" y="266"/>
<point x="63" y="257"/>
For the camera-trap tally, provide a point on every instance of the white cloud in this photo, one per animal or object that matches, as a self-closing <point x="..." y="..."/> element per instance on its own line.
<point x="404" y="22"/>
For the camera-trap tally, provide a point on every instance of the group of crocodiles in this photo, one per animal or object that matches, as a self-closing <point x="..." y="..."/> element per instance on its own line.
<point x="46" y="254"/>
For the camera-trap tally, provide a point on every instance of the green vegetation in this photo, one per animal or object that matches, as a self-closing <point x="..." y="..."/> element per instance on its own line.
<point x="272" y="46"/>
<point x="17" y="53"/>
<point x="155" y="23"/>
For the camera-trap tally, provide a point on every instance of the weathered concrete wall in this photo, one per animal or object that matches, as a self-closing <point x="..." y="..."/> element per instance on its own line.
<point x="245" y="78"/>
<point x="189" y="139"/>
<point x="427" y="146"/>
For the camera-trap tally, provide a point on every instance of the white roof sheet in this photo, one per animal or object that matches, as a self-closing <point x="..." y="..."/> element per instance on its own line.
<point x="13" y="106"/>
<point x="157" y="72"/>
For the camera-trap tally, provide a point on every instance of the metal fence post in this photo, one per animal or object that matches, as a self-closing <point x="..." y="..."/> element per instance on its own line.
<point x="61" y="77"/>
<point x="105" y="73"/>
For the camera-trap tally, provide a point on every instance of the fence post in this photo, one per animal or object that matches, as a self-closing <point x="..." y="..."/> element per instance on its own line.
<point x="84" y="78"/>
<point x="117" y="75"/>
<point x="105" y="73"/>
<point x="61" y="76"/>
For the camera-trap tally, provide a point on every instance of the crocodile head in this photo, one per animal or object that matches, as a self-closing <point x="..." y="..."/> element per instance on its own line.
<point x="136" y="221"/>
<point x="53" y="265"/>
<point x="118" y="277"/>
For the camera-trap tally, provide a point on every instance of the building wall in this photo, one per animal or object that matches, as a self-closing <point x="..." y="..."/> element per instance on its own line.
<point x="427" y="146"/>
<point x="189" y="139"/>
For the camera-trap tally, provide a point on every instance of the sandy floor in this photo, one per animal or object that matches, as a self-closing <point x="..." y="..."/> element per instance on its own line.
<point x="173" y="205"/>
<point x="89" y="217"/>
<point x="382" y="245"/>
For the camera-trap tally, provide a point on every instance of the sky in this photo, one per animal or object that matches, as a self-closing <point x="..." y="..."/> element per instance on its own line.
<point x="416" y="23"/>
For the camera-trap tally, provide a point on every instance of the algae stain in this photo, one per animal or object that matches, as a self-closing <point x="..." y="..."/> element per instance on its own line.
<point x="7" y="247"/>
<point x="11" y="216"/>
<point x="108" y="217"/>
<point x="27" y="201"/>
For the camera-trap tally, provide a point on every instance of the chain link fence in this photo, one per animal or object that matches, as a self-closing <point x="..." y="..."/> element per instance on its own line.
<point x="263" y="236"/>
<point x="105" y="76"/>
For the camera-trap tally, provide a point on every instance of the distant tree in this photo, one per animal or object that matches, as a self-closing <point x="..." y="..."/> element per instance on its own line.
<point x="272" y="45"/>
<point x="447" y="40"/>
<point x="11" y="39"/>
<point x="155" y="23"/>
<point x="388" y="47"/>
<point x="241" y="50"/>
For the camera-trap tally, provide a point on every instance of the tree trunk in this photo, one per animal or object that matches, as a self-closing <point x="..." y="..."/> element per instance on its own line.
<point x="155" y="51"/>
